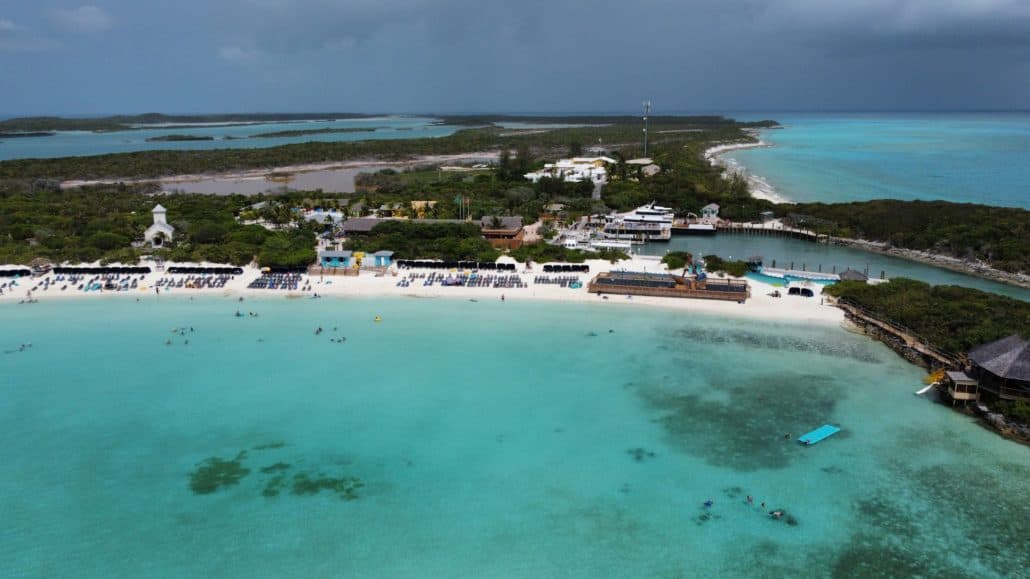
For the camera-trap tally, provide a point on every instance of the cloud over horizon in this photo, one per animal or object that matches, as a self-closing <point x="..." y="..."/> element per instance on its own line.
<point x="85" y="19"/>
<point x="555" y="55"/>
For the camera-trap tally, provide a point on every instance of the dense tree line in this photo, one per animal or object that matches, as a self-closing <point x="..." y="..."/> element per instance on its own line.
<point x="101" y="223"/>
<point x="131" y="122"/>
<point x="150" y="164"/>
<point x="952" y="318"/>
<point x="999" y="236"/>
<point x="408" y="240"/>
<point x="544" y="252"/>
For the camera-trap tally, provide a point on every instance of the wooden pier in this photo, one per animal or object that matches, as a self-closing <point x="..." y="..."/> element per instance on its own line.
<point x="754" y="229"/>
<point x="761" y="230"/>
<point x="906" y="336"/>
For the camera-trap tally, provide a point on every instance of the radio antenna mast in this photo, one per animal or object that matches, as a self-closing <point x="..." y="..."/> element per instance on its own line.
<point x="647" y="111"/>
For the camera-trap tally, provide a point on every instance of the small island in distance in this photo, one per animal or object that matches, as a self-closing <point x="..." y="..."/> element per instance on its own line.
<point x="177" y="138"/>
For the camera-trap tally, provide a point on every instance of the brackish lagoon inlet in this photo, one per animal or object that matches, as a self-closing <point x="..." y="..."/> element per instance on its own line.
<point x="170" y="438"/>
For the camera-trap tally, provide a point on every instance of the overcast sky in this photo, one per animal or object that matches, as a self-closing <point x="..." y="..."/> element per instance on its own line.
<point x="182" y="56"/>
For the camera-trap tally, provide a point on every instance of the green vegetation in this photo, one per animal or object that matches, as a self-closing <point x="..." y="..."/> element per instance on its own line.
<point x="1016" y="410"/>
<point x="671" y="133"/>
<point x="129" y="122"/>
<point x="952" y="318"/>
<point x="999" y="236"/>
<point x="175" y="138"/>
<point x="215" y="473"/>
<point x="447" y="241"/>
<point x="543" y="253"/>
<point x="303" y="132"/>
<point x="345" y="487"/>
<point x="92" y="224"/>
<point x="714" y="263"/>
<point x="677" y="259"/>
<point x="18" y="134"/>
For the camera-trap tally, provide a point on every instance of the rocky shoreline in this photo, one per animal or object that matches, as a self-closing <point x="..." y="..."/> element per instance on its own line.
<point x="991" y="420"/>
<point x="942" y="261"/>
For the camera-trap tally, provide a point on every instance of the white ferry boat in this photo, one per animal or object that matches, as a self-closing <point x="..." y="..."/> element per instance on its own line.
<point x="646" y="223"/>
<point x="597" y="245"/>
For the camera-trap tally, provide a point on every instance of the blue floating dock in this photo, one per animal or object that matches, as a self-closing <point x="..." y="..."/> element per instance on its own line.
<point x="819" y="434"/>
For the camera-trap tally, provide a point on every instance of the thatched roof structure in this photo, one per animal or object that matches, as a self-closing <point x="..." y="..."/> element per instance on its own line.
<point x="1007" y="358"/>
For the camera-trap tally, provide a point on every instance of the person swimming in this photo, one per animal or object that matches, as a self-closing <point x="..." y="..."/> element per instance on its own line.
<point x="776" y="514"/>
<point x="709" y="503"/>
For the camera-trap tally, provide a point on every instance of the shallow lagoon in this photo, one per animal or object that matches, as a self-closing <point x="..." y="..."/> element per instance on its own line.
<point x="491" y="439"/>
<point x="821" y="257"/>
<point x="224" y="136"/>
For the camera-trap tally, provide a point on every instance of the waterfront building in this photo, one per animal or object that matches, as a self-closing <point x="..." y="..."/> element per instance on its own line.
<point x="334" y="258"/>
<point x="382" y="258"/>
<point x="1002" y="368"/>
<point x="503" y="232"/>
<point x="160" y="232"/>
<point x="960" y="387"/>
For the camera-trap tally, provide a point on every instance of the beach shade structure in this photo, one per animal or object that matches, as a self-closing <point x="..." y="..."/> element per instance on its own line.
<point x="853" y="275"/>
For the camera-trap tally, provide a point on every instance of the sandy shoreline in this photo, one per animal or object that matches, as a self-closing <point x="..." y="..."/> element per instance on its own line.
<point x="368" y="285"/>
<point x="261" y="173"/>
<point x="760" y="188"/>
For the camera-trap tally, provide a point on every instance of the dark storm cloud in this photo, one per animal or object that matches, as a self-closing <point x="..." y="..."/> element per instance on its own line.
<point x="532" y="55"/>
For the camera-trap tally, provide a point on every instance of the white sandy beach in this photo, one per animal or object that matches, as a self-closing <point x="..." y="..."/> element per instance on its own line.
<point x="760" y="188"/>
<point x="369" y="285"/>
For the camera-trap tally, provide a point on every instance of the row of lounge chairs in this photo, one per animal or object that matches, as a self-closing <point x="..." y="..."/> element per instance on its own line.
<point x="278" y="281"/>
<point x="194" y="281"/>
<point x="566" y="268"/>
<point x="560" y="280"/>
<point x="511" y="281"/>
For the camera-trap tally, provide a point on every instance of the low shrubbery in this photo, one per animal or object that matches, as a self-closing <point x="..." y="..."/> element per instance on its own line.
<point x="714" y="264"/>
<point x="952" y="318"/>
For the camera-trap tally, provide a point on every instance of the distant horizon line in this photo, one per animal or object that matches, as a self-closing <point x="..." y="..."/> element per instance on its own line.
<point x="658" y="113"/>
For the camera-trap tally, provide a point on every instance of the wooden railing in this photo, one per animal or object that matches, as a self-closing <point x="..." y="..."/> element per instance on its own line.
<point x="910" y="336"/>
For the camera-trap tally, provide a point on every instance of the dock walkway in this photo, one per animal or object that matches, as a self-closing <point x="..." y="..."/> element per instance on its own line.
<point x="909" y="337"/>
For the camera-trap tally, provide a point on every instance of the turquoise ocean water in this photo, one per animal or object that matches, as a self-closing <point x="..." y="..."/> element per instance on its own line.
<point x="492" y="440"/>
<point x="77" y="143"/>
<point x="959" y="157"/>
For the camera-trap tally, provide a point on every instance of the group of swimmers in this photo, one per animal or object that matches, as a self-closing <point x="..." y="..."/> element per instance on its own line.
<point x="336" y="340"/>
<point x="249" y="314"/>
<point x="775" y="514"/>
<point x="182" y="331"/>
